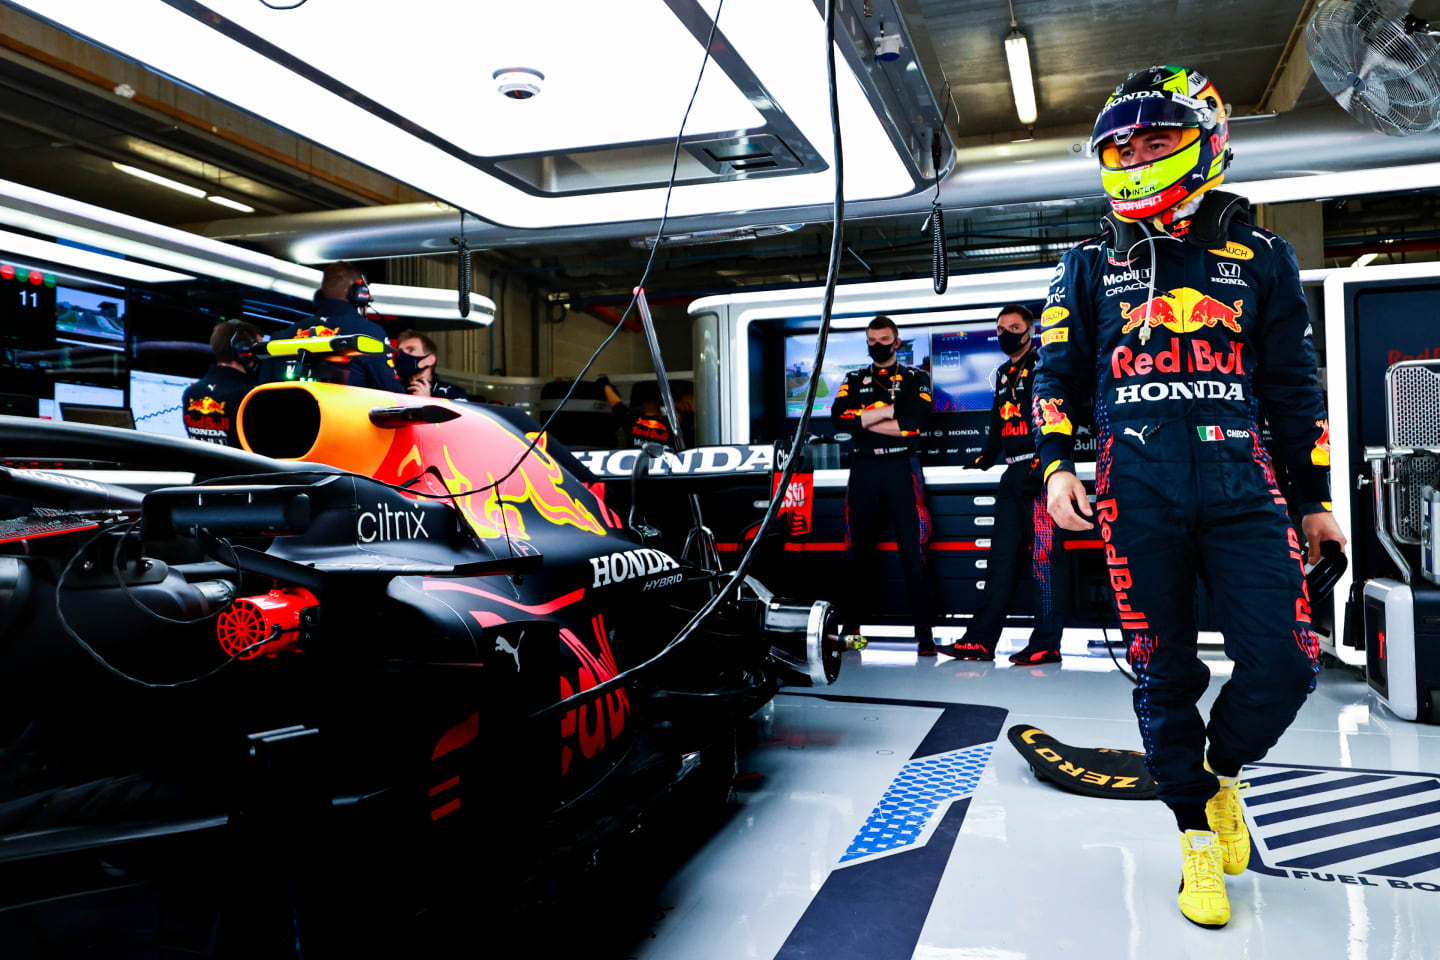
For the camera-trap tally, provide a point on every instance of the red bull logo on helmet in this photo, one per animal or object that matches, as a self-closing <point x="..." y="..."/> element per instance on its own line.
<point x="1184" y="310"/>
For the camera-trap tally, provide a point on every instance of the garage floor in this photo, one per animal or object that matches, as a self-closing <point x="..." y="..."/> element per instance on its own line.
<point x="889" y="829"/>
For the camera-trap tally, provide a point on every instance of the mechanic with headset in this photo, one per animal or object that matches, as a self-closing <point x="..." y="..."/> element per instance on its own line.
<point x="887" y="404"/>
<point x="1181" y="324"/>
<point x="1024" y="536"/>
<point x="342" y="295"/>
<point x="210" y="406"/>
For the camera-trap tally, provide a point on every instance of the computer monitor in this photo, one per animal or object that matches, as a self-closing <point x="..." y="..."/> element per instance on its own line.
<point x="157" y="401"/>
<point x="89" y="316"/>
<point x="98" y="416"/>
<point x="85" y="394"/>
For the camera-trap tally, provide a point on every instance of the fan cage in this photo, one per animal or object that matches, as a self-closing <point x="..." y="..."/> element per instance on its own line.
<point x="1382" y="75"/>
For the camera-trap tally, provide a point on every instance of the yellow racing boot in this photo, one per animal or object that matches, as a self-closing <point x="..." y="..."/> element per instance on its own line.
<point x="1227" y="818"/>
<point x="1202" y="880"/>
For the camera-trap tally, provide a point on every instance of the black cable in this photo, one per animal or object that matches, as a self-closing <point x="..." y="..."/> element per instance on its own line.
<point x="634" y="296"/>
<point x="276" y="6"/>
<point x="94" y="655"/>
<point x="939" y="258"/>
<point x="802" y="430"/>
<point x="463" y="285"/>
<point x="1128" y="675"/>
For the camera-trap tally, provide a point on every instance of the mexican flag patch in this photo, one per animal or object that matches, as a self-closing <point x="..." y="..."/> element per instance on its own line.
<point x="1209" y="433"/>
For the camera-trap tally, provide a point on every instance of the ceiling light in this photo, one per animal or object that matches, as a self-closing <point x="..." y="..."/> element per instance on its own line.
<point x="1364" y="260"/>
<point x="85" y="259"/>
<point x="175" y="185"/>
<point x="1022" y="83"/>
<point x="232" y="204"/>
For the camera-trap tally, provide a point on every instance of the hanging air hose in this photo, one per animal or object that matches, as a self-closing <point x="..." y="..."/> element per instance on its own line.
<point x="464" y="282"/>
<point x="939" y="266"/>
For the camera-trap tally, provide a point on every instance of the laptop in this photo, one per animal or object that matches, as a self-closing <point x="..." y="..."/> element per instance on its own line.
<point x="98" y="416"/>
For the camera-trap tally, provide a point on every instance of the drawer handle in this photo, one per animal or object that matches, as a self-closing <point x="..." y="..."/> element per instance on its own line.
<point x="984" y="521"/>
<point x="984" y="501"/>
<point x="982" y="564"/>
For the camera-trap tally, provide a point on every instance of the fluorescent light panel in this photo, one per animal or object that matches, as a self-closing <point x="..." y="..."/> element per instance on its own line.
<point x="85" y="259"/>
<point x="232" y="204"/>
<point x="1022" y="81"/>
<point x="155" y="178"/>
<point x="51" y="214"/>
<point x="780" y="40"/>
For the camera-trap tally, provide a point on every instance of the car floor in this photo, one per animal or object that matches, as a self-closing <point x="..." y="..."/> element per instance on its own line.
<point x="888" y="816"/>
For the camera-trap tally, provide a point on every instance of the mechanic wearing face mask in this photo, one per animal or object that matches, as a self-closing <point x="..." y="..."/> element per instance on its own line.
<point x="886" y="405"/>
<point x="416" y="359"/>
<point x="210" y="405"/>
<point x="1023" y="538"/>
<point x="1182" y="324"/>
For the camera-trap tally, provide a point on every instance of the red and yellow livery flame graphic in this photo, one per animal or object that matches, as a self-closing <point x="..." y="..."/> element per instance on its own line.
<point x="1183" y="310"/>
<point x="206" y="405"/>
<point x="460" y="456"/>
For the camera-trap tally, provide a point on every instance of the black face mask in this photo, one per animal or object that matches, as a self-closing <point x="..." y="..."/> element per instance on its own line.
<point x="406" y="365"/>
<point x="881" y="352"/>
<point x="1011" y="342"/>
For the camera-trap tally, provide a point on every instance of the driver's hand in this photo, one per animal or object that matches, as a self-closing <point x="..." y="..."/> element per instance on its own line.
<point x="419" y="387"/>
<point x="1319" y="527"/>
<point x="1065" y="492"/>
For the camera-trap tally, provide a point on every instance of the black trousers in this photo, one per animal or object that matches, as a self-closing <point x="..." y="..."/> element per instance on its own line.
<point x="887" y="488"/>
<point x="1021" y="545"/>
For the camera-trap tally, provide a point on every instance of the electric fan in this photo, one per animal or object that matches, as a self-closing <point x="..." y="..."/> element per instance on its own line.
<point x="1379" y="62"/>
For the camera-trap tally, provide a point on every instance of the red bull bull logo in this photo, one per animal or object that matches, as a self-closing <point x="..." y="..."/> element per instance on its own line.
<point x="317" y="331"/>
<point x="1010" y="411"/>
<point x="1320" y="455"/>
<point x="1052" y="420"/>
<point x="1184" y="311"/>
<point x="206" y="406"/>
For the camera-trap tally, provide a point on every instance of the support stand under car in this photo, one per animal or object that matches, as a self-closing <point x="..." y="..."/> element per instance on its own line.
<point x="1402" y="617"/>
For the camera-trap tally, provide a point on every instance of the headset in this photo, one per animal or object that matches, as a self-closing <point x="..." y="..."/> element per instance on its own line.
<point x="358" y="294"/>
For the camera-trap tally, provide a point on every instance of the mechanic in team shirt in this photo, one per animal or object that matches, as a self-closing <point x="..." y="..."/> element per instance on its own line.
<point x="210" y="406"/>
<point x="342" y="295"/>
<point x="887" y="405"/>
<point x="1024" y="536"/>
<point x="416" y="362"/>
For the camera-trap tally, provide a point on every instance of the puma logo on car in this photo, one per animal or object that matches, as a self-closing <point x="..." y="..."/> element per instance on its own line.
<point x="1137" y="434"/>
<point x="503" y="646"/>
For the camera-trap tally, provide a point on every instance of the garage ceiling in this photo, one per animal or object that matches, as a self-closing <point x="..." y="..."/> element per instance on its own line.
<point x="1081" y="48"/>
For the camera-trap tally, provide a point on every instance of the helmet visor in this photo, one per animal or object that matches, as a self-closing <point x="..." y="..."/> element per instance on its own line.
<point x="1128" y="115"/>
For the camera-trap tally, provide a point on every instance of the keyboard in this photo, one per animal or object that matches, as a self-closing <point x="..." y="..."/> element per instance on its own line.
<point x="48" y="524"/>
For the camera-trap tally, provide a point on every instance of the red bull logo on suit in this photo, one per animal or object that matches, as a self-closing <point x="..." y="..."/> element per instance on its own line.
<point x="1184" y="310"/>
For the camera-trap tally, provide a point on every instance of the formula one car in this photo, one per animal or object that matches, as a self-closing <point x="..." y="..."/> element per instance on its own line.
<point x="299" y="689"/>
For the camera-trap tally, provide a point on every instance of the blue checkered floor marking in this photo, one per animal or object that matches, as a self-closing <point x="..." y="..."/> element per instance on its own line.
<point x="1346" y="822"/>
<point x="917" y="793"/>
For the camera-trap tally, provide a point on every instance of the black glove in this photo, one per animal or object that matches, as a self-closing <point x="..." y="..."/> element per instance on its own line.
<point x="602" y="381"/>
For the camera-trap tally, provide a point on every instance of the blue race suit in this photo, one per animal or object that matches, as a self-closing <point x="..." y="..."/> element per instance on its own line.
<point x="339" y="317"/>
<point x="1184" y="484"/>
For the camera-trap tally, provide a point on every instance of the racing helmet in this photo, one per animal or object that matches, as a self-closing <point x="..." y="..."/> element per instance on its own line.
<point x="1168" y="96"/>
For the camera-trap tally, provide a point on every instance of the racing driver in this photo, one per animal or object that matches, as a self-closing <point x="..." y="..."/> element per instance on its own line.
<point x="1182" y="325"/>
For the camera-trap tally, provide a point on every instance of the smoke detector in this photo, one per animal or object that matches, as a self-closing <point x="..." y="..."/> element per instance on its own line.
<point x="518" y="83"/>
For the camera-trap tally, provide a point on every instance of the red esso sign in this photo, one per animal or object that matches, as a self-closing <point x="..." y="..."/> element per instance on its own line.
<point x="795" y="508"/>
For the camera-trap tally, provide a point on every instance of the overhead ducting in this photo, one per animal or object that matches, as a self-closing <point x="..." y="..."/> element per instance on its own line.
<point x="1291" y="156"/>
